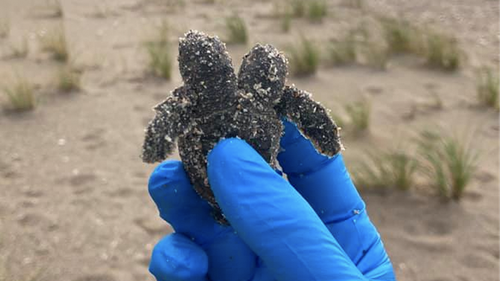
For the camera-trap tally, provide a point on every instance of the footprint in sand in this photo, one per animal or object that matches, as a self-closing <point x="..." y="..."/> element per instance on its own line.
<point x="33" y="193"/>
<point x="142" y="258"/>
<point x="122" y="192"/>
<point x="139" y="108"/>
<point x="38" y="221"/>
<point x="440" y="227"/>
<point x="477" y="260"/>
<point x="6" y="170"/>
<point x="96" y="277"/>
<point x="489" y="250"/>
<point x="94" y="139"/>
<point x="140" y="174"/>
<point x="494" y="252"/>
<point x="484" y="176"/>
<point x="145" y="120"/>
<point x="153" y="226"/>
<point x="435" y="244"/>
<point x="472" y="195"/>
<point x="81" y="183"/>
<point x="374" y="90"/>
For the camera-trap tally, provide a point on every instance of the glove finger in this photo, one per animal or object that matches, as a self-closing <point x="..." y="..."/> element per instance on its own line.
<point x="323" y="181"/>
<point x="273" y="219"/>
<point x="178" y="204"/>
<point x="177" y="258"/>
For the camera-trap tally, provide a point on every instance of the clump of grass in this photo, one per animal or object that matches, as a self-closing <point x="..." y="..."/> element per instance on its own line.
<point x="338" y="119"/>
<point x="55" y="43"/>
<point x="439" y="50"/>
<point x="388" y="169"/>
<point x="21" y="50"/>
<point x="373" y="52"/>
<point x="437" y="102"/>
<point x="442" y="51"/>
<point x="488" y="88"/>
<point x="102" y="11"/>
<point x="344" y="51"/>
<point x="298" y="8"/>
<point x="359" y="115"/>
<point x="69" y="79"/>
<point x="286" y="22"/>
<point x="400" y="35"/>
<point x="376" y="56"/>
<point x="449" y="162"/>
<point x="160" y="59"/>
<point x="237" y="30"/>
<point x="4" y="28"/>
<point x="304" y="58"/>
<point x="357" y="4"/>
<point x="316" y="10"/>
<point x="21" y="95"/>
<point x="54" y="9"/>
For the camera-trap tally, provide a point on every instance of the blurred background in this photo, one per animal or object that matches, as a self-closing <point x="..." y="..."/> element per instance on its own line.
<point x="414" y="85"/>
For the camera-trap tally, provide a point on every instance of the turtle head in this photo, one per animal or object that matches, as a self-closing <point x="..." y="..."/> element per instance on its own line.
<point x="263" y="73"/>
<point x="204" y="64"/>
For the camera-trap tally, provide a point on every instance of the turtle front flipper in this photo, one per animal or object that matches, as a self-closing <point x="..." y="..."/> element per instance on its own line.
<point x="171" y="120"/>
<point x="311" y="118"/>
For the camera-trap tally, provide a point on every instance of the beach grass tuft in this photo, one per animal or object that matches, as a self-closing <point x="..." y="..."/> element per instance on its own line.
<point x="54" y="8"/>
<point x="298" y="8"/>
<point x="449" y="162"/>
<point x="317" y="10"/>
<point x="20" y="50"/>
<point x="237" y="30"/>
<point x="343" y="51"/>
<point x="286" y="22"/>
<point x="55" y="43"/>
<point x="359" y="115"/>
<point x="387" y="169"/>
<point x="304" y="58"/>
<point x="401" y="36"/>
<point x="69" y="79"/>
<point x="20" y="95"/>
<point x="4" y="28"/>
<point x="357" y="4"/>
<point x="488" y="88"/>
<point x="442" y="51"/>
<point x="159" y="53"/>
<point x="376" y="56"/>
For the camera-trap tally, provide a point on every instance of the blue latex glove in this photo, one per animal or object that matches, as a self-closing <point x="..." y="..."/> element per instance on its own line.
<point x="312" y="227"/>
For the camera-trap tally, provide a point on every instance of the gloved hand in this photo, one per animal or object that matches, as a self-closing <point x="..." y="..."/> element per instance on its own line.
<point x="312" y="227"/>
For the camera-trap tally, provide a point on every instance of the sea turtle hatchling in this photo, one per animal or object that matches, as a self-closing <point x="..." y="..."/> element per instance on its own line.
<point x="214" y="104"/>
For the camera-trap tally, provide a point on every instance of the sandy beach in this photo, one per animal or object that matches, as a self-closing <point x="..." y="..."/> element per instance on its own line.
<point x="74" y="203"/>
